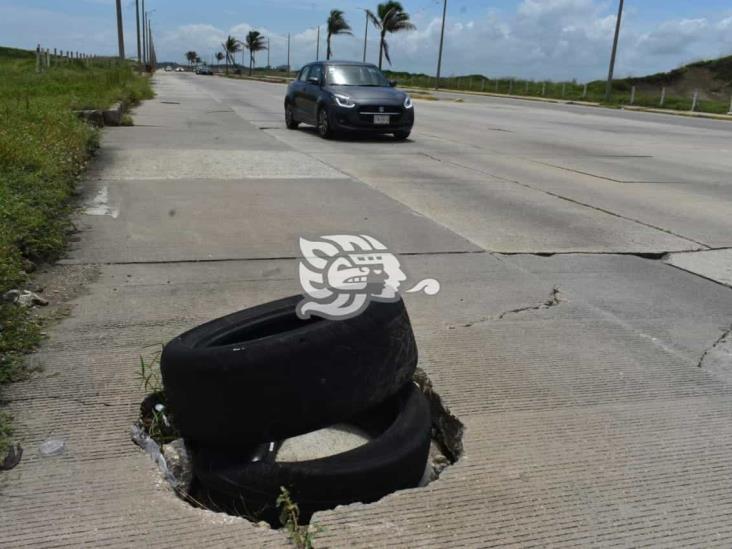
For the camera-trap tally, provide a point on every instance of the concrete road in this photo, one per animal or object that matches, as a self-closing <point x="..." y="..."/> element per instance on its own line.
<point x="581" y="333"/>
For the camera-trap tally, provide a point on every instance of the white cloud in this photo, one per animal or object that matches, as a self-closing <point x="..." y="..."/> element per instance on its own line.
<point x="674" y="37"/>
<point x="540" y="39"/>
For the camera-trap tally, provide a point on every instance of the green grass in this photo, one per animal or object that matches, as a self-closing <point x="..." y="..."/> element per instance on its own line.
<point x="571" y="91"/>
<point x="44" y="147"/>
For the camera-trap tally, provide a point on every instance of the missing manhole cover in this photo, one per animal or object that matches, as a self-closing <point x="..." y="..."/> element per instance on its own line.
<point x="362" y="460"/>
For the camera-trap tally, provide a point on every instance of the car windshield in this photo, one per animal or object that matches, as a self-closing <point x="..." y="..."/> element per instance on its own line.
<point x="355" y="75"/>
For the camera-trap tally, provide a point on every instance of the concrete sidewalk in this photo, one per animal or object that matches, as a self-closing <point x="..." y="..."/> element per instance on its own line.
<point x="587" y="423"/>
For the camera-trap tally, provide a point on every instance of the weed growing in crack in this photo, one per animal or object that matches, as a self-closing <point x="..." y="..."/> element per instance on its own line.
<point x="154" y="416"/>
<point x="6" y="433"/>
<point x="149" y="372"/>
<point x="301" y="536"/>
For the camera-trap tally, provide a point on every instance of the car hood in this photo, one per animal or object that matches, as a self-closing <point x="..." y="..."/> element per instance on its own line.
<point x="360" y="94"/>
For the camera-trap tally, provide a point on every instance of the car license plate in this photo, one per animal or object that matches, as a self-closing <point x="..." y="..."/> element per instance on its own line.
<point x="381" y="119"/>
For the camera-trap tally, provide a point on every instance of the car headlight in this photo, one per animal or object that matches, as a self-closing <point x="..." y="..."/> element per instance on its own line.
<point x="343" y="101"/>
<point x="408" y="102"/>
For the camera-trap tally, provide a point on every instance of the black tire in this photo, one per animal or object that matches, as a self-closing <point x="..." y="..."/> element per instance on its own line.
<point x="290" y="121"/>
<point x="263" y="374"/>
<point x="402" y="135"/>
<point x="325" y="126"/>
<point x="393" y="460"/>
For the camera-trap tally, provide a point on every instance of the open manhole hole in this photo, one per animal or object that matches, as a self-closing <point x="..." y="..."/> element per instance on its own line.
<point x="264" y="483"/>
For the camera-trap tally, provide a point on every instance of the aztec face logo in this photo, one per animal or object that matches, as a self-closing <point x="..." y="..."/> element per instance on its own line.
<point x="340" y="274"/>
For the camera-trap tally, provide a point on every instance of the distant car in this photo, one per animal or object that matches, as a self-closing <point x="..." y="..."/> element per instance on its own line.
<point x="204" y="70"/>
<point x="346" y="95"/>
<point x="168" y="69"/>
<point x="179" y="69"/>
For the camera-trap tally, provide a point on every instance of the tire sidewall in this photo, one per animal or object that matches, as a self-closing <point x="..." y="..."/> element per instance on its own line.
<point x="290" y="383"/>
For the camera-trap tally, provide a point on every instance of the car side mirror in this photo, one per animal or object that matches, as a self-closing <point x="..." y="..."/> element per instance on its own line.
<point x="314" y="80"/>
<point x="393" y="83"/>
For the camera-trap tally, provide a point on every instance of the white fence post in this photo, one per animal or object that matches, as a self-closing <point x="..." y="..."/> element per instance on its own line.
<point x="584" y="92"/>
<point x="632" y="95"/>
<point x="663" y="96"/>
<point x="694" y="100"/>
<point x="730" y="106"/>
<point x="496" y="85"/>
<point x="38" y="58"/>
<point x="543" y="89"/>
<point x="564" y="88"/>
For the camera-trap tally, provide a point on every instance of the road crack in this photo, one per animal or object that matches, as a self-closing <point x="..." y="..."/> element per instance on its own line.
<point x="716" y="344"/>
<point x="552" y="301"/>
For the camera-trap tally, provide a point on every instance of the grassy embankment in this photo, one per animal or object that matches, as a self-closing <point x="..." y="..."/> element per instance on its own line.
<point x="44" y="147"/>
<point x="713" y="80"/>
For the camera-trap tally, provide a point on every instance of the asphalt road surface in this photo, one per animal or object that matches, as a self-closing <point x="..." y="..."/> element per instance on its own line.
<point x="581" y="333"/>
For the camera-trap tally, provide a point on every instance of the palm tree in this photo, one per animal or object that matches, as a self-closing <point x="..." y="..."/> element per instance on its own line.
<point x="219" y="57"/>
<point x="254" y="42"/>
<point x="191" y="56"/>
<point x="390" y="17"/>
<point x="231" y="47"/>
<point x="336" y="25"/>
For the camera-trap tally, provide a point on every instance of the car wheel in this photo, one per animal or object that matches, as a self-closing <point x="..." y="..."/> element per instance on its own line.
<point x="290" y="121"/>
<point x="264" y="374"/>
<point x="394" y="459"/>
<point x="324" y="126"/>
<point x="402" y="135"/>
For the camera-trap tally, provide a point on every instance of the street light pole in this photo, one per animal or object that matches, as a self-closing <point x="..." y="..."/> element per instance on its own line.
<point x="288" y="53"/>
<point x="442" y="41"/>
<point x="365" y="34"/>
<point x="137" y="17"/>
<point x="120" y="30"/>
<point x="144" y="35"/>
<point x="317" y="47"/>
<point x="148" y="31"/>
<point x="609" y="89"/>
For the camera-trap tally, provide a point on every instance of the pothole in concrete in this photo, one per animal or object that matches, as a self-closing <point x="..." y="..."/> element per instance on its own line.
<point x="156" y="434"/>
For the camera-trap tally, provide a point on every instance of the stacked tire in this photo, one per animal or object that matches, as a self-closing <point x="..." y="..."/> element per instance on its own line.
<point x="240" y="384"/>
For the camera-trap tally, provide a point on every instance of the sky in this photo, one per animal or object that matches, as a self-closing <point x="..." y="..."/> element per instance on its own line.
<point x="535" y="39"/>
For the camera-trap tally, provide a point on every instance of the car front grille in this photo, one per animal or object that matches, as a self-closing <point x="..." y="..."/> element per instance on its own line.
<point x="366" y="112"/>
<point x="370" y="110"/>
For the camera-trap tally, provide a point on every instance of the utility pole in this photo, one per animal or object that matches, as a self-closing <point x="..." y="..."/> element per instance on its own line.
<point x="120" y="31"/>
<point x="137" y="17"/>
<point x="150" y="53"/>
<point x="442" y="41"/>
<point x="317" y="47"/>
<point x="144" y="35"/>
<point x="365" y="34"/>
<point x="268" y="65"/>
<point x="153" y="56"/>
<point x="609" y="89"/>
